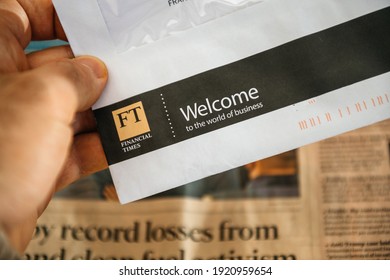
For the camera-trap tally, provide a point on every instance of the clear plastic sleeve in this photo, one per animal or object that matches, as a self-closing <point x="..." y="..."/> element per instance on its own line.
<point x="134" y="23"/>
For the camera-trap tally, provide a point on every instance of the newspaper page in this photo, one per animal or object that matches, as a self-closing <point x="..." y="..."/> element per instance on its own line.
<point x="328" y="200"/>
<point x="256" y="212"/>
<point x="349" y="177"/>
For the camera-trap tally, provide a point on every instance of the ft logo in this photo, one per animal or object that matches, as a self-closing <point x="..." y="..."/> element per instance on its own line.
<point x="130" y="121"/>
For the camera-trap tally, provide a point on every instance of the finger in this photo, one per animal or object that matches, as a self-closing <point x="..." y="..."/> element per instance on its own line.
<point x="86" y="157"/>
<point x="14" y="19"/>
<point x="84" y="122"/>
<point x="39" y="58"/>
<point x="59" y="32"/>
<point x="14" y="36"/>
<point x="67" y="86"/>
<point x="44" y="21"/>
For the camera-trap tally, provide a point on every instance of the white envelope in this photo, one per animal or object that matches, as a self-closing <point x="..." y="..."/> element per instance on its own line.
<point x="198" y="87"/>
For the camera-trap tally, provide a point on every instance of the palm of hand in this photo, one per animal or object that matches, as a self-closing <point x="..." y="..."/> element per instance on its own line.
<point x="47" y="137"/>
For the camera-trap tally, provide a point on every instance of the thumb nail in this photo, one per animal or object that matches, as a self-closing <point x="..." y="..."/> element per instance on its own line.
<point x="95" y="65"/>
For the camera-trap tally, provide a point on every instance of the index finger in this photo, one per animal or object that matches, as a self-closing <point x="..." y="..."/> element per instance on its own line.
<point x="31" y="20"/>
<point x="44" y="22"/>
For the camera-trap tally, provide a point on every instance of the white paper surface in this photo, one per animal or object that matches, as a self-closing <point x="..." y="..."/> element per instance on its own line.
<point x="168" y="59"/>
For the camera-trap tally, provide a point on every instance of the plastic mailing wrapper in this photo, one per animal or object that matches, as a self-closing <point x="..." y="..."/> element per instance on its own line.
<point x="200" y="87"/>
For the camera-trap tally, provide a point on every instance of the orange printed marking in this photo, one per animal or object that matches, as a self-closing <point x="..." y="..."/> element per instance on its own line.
<point x="340" y="113"/>
<point x="303" y="125"/>
<point x="387" y="98"/>
<point x="319" y="119"/>
<point x="312" y="122"/>
<point x="348" y="110"/>
<point x="358" y="107"/>
<point x="380" y="100"/>
<point x="373" y="102"/>
<point x="365" y="105"/>
<point x="328" y="117"/>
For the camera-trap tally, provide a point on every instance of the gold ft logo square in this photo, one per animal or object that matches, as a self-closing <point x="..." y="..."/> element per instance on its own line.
<point x="130" y="121"/>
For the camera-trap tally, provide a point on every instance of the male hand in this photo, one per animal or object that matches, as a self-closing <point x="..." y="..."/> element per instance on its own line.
<point x="47" y="137"/>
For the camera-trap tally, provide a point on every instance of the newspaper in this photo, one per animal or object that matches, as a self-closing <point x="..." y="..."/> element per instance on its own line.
<point x="221" y="217"/>
<point x="349" y="177"/>
<point x="203" y="86"/>
<point x="328" y="200"/>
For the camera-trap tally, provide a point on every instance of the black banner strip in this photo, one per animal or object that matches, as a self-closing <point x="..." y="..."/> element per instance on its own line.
<point x="282" y="76"/>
